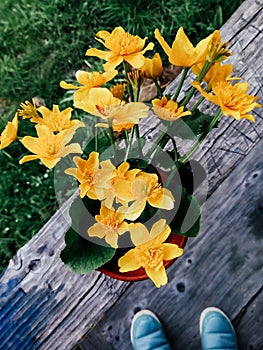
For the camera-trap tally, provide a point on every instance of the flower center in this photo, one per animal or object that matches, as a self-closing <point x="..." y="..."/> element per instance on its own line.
<point x="88" y="177"/>
<point x="52" y="150"/>
<point x="111" y="221"/>
<point x="230" y="100"/>
<point x="152" y="257"/>
<point x="124" y="44"/>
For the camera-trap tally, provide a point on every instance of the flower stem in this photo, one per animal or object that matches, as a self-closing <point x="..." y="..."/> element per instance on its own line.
<point x="201" y="138"/>
<point x="159" y="90"/>
<point x="203" y="72"/>
<point x="201" y="99"/>
<point x="157" y="142"/>
<point x="111" y="134"/>
<point x="130" y="90"/>
<point x="96" y="139"/>
<point x="179" y="86"/>
<point x="129" y="145"/>
<point x="136" y="93"/>
<point x="126" y="138"/>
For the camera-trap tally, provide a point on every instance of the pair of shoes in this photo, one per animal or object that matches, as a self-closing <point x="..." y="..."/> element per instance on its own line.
<point x="216" y="331"/>
<point x="147" y="332"/>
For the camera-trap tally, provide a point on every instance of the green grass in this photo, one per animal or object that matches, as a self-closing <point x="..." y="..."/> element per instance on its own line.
<point x="44" y="41"/>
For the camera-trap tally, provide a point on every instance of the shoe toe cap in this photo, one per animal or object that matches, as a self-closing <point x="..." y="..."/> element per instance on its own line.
<point x="147" y="333"/>
<point x="217" y="332"/>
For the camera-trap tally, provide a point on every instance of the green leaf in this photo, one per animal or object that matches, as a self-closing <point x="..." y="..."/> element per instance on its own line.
<point x="82" y="256"/>
<point x="186" y="222"/>
<point x="190" y="126"/>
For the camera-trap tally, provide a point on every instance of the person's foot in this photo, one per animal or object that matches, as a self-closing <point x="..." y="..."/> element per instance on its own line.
<point x="216" y="330"/>
<point x="147" y="332"/>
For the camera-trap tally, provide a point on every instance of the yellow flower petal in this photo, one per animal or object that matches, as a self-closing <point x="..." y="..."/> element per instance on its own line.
<point x="98" y="53"/>
<point x="113" y="61"/>
<point x="171" y="251"/>
<point x="9" y="134"/>
<point x="97" y="230"/>
<point x="159" y="277"/>
<point x="160" y="230"/>
<point x="128" y="262"/>
<point x="139" y="233"/>
<point x="103" y="34"/>
<point x="152" y="67"/>
<point x="68" y="86"/>
<point x="134" y="210"/>
<point x="183" y="53"/>
<point x="112" y="238"/>
<point x="161" y="198"/>
<point x="28" y="158"/>
<point x="135" y="60"/>
<point x="167" y="49"/>
<point x="49" y="163"/>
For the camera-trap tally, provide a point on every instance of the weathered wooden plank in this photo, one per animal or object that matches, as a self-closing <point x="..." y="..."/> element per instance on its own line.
<point x="249" y="324"/>
<point x="41" y="300"/>
<point x="222" y="267"/>
<point x="43" y="305"/>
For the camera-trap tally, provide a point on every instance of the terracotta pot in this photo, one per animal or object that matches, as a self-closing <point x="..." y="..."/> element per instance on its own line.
<point x="111" y="269"/>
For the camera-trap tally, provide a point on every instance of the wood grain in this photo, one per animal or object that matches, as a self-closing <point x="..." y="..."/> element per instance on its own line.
<point x="44" y="306"/>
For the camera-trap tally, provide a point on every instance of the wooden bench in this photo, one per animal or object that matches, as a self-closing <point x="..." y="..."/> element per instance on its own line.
<point x="45" y="306"/>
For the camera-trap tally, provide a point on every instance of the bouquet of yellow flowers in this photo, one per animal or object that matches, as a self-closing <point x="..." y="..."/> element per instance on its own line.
<point x="135" y="204"/>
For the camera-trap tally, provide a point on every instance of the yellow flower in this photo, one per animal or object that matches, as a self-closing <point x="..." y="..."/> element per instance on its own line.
<point x="146" y="188"/>
<point x="9" y="134"/>
<point x="217" y="51"/>
<point x="150" y="251"/>
<point x="57" y="120"/>
<point x="87" y="80"/>
<point x="217" y="72"/>
<point x="102" y="103"/>
<point x="110" y="224"/>
<point x="183" y="53"/>
<point x="168" y="109"/>
<point x="122" y="47"/>
<point x="28" y="110"/>
<point x="49" y="148"/>
<point x="232" y="99"/>
<point x="92" y="180"/>
<point x="152" y="67"/>
<point x="118" y="90"/>
<point x="120" y="187"/>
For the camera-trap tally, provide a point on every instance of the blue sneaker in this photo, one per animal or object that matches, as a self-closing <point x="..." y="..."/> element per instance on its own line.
<point x="216" y="330"/>
<point x="147" y="332"/>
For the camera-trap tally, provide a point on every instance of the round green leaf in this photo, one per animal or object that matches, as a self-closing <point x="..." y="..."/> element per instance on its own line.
<point x="82" y="256"/>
